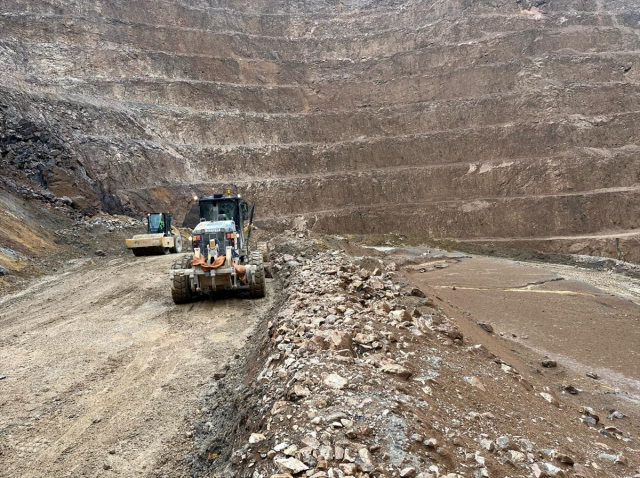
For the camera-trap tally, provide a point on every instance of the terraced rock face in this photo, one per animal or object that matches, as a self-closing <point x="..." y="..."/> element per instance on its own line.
<point x="458" y="118"/>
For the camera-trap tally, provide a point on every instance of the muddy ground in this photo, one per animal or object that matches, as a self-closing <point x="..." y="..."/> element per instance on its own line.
<point x="104" y="373"/>
<point x="584" y="319"/>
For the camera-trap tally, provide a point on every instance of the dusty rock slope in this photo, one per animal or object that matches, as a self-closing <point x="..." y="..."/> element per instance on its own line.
<point x="479" y="119"/>
<point x="355" y="372"/>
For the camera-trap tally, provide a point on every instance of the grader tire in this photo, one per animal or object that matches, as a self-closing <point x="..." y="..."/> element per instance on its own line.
<point x="181" y="287"/>
<point x="258" y="289"/>
<point x="264" y="249"/>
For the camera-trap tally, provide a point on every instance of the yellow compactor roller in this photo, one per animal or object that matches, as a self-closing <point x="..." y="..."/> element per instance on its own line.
<point x="161" y="237"/>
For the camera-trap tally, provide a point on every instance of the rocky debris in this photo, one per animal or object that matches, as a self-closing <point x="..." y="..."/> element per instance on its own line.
<point x="291" y="465"/>
<point x="333" y="380"/>
<point x="391" y="267"/>
<point x="593" y="375"/>
<point x="114" y="222"/>
<point x="503" y="442"/>
<point x="64" y="205"/>
<point x="221" y="372"/>
<point x="569" y="388"/>
<point x="475" y="382"/>
<point x="616" y="414"/>
<point x="618" y="459"/>
<point x="36" y="159"/>
<point x="547" y="363"/>
<point x="408" y="472"/>
<point x="110" y="223"/>
<point x="256" y="438"/>
<point x="486" y="326"/>
<point x="99" y="224"/>
<point x="549" y="397"/>
<point x="562" y="458"/>
<point x="3" y="271"/>
<point x="546" y="470"/>
<point x="356" y="377"/>
<point x="589" y="415"/>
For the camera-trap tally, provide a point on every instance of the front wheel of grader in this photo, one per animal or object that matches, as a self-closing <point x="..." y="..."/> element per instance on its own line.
<point x="258" y="285"/>
<point x="181" y="286"/>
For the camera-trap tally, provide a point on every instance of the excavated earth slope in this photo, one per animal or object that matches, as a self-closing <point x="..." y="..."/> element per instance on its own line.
<point x="458" y="118"/>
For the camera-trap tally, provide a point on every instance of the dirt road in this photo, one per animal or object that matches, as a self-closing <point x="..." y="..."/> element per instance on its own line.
<point x="104" y="373"/>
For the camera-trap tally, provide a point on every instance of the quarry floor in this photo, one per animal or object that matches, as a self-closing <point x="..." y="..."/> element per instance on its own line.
<point x="104" y="374"/>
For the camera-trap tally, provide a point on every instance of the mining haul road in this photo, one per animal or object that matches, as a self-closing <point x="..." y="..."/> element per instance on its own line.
<point x="104" y="374"/>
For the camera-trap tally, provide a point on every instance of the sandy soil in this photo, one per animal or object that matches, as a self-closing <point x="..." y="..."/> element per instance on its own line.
<point x="104" y="373"/>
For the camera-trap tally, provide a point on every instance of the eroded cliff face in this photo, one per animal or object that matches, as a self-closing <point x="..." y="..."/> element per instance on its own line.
<point x="461" y="118"/>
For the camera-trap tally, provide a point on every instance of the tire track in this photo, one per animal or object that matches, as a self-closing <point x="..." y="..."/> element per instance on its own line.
<point x="112" y="378"/>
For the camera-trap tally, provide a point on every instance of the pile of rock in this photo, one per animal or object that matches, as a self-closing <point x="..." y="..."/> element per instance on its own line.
<point x="114" y="223"/>
<point x="110" y="223"/>
<point x="362" y="376"/>
<point x="64" y="204"/>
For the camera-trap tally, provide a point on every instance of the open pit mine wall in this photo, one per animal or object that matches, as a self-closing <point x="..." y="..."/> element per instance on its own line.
<point x="453" y="118"/>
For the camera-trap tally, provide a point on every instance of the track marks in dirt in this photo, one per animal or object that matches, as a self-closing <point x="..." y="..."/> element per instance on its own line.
<point x="104" y="370"/>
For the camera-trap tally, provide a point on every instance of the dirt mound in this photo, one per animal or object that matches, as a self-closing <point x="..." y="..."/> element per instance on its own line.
<point x="358" y="373"/>
<point x="38" y="238"/>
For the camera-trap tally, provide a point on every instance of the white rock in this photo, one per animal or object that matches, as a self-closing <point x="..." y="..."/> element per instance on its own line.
<point x="290" y="451"/>
<point x="515" y="456"/>
<point x="333" y="380"/>
<point x="549" y="398"/>
<point x="506" y="368"/>
<point x="551" y="470"/>
<point x="291" y="465"/>
<point x="256" y="438"/>
<point x="487" y="444"/>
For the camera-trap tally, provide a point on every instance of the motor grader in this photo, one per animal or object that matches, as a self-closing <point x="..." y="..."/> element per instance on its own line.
<point x="161" y="237"/>
<point x="222" y="258"/>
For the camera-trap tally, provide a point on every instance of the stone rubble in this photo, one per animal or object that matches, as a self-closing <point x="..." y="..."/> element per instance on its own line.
<point x="64" y="205"/>
<point x="362" y="378"/>
<point x="110" y="223"/>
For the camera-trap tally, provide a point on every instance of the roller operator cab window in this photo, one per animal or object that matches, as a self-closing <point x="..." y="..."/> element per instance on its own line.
<point x="156" y="223"/>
